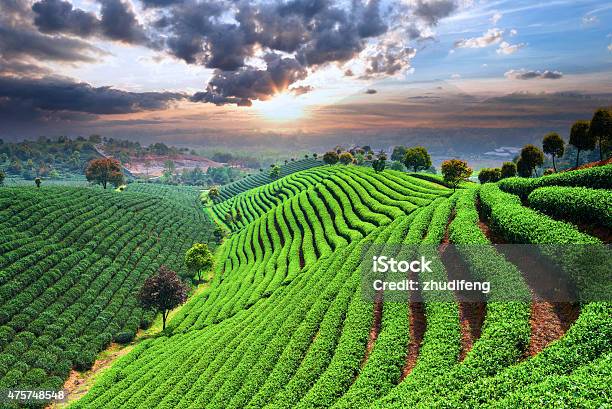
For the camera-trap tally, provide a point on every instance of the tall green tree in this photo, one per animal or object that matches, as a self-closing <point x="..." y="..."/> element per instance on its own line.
<point x="601" y="130"/>
<point x="553" y="145"/>
<point x="198" y="259"/>
<point x="531" y="157"/>
<point x="398" y="153"/>
<point x="2" y="177"/>
<point x="454" y="171"/>
<point x="581" y="138"/>
<point x="417" y="158"/>
<point x="508" y="170"/>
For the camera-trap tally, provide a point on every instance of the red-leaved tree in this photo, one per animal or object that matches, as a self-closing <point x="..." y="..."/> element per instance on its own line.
<point x="103" y="171"/>
<point x="163" y="292"/>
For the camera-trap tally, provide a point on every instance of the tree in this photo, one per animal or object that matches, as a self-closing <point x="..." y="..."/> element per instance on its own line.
<point x="95" y="138"/>
<point x="315" y="155"/>
<point x="508" y="170"/>
<point x="37" y="181"/>
<point x="398" y="153"/>
<point x="455" y="171"/>
<point x="163" y="292"/>
<point x="213" y="192"/>
<point x="219" y="233"/>
<point x="532" y="157"/>
<point x="487" y="175"/>
<point x="601" y="130"/>
<point x="2" y="177"/>
<point x="359" y="158"/>
<point x="198" y="259"/>
<point x="554" y="146"/>
<point x="331" y="158"/>
<point x="275" y="172"/>
<point x="417" y="158"/>
<point x="522" y="169"/>
<point x="397" y="165"/>
<point x="103" y="171"/>
<point x="380" y="163"/>
<point x="581" y="138"/>
<point x="345" y="158"/>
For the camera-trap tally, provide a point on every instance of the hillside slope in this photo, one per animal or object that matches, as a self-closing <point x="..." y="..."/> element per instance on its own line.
<point x="286" y="323"/>
<point x="71" y="262"/>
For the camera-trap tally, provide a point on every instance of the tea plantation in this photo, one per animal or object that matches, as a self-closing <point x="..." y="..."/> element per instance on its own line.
<point x="284" y="323"/>
<point x="71" y="262"/>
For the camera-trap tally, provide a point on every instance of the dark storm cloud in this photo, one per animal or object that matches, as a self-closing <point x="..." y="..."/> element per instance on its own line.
<point x="57" y="16"/>
<point x="531" y="74"/>
<point x="60" y="98"/>
<point x="242" y="86"/>
<point x="18" y="42"/>
<point x="117" y="21"/>
<point x="23" y="47"/>
<point x="231" y="36"/>
<point x="317" y="32"/>
<point x="432" y="11"/>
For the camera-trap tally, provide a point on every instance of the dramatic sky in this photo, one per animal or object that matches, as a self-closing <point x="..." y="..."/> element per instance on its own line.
<point x="189" y="69"/>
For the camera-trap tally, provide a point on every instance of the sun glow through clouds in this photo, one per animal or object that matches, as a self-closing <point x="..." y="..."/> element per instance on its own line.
<point x="281" y="107"/>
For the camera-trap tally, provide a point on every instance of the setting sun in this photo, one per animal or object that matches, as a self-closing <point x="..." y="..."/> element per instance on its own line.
<point x="281" y="107"/>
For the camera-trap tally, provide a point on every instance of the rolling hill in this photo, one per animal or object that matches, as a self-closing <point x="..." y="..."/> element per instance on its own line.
<point x="71" y="262"/>
<point x="285" y="322"/>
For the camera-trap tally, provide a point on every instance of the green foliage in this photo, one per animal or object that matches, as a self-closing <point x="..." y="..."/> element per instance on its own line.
<point x="417" y="158"/>
<point x="285" y="323"/>
<point x="253" y="181"/>
<point x="599" y="177"/>
<point x="600" y="129"/>
<point x="581" y="138"/>
<point x="530" y="158"/>
<point x="397" y="165"/>
<point x="554" y="146"/>
<point x="399" y="153"/>
<point x="575" y="204"/>
<point x="379" y="164"/>
<point x="198" y="259"/>
<point x="72" y="262"/>
<point x="508" y="170"/>
<point x="455" y="171"/>
<point x="331" y="158"/>
<point x="489" y="175"/>
<point x="275" y="172"/>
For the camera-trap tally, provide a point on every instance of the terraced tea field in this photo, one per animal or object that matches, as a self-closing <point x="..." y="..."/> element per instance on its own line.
<point x="285" y="324"/>
<point x="71" y="262"/>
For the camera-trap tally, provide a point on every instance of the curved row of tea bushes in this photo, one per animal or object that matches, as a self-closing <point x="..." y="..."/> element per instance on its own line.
<point x="575" y="204"/>
<point x="599" y="177"/>
<point x="262" y="178"/>
<point x="69" y="290"/>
